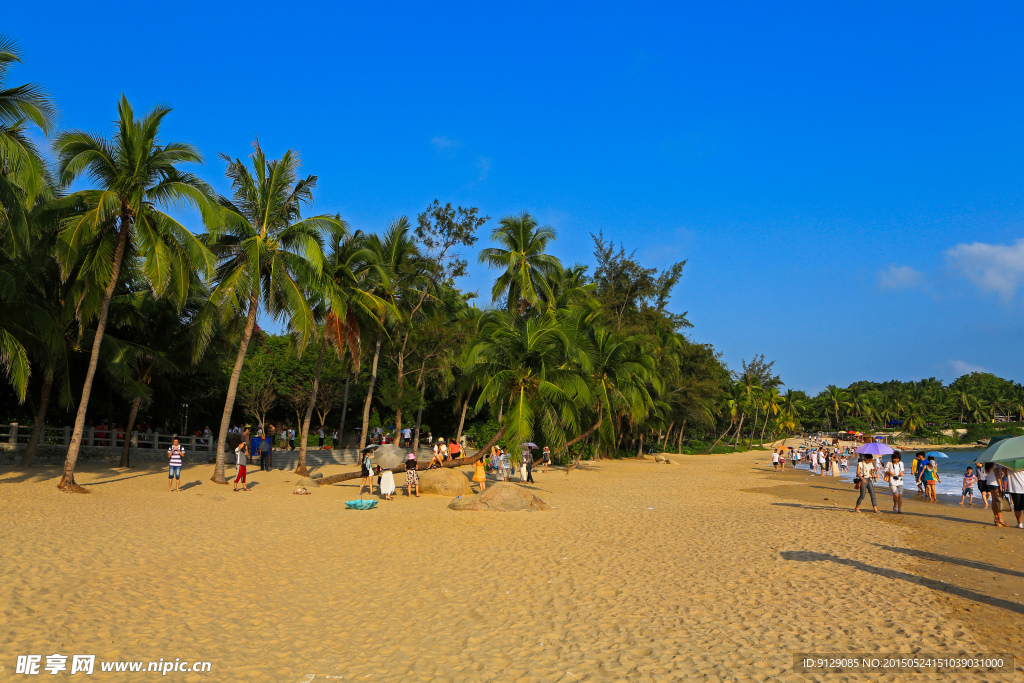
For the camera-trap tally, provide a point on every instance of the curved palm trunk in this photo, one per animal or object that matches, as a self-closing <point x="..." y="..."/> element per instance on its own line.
<point x="127" y="446"/>
<point x="682" y="428"/>
<point x="721" y="436"/>
<point x="369" y="392"/>
<point x="640" y="448"/>
<point x="300" y="469"/>
<point x="67" y="480"/>
<point x="229" y="402"/>
<point x="462" y="416"/>
<point x="763" y="427"/>
<point x="40" y="425"/>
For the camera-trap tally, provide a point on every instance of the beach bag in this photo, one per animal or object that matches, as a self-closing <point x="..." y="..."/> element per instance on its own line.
<point x="856" y="484"/>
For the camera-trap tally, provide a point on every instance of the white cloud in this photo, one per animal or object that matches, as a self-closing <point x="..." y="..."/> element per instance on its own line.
<point x="483" y="167"/>
<point x="961" y="367"/>
<point x="991" y="267"/>
<point x="900" y="277"/>
<point x="445" y="145"/>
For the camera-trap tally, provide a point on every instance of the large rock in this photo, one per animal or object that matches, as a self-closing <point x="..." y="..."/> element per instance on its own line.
<point x="307" y="483"/>
<point x="445" y="482"/>
<point x="500" y="497"/>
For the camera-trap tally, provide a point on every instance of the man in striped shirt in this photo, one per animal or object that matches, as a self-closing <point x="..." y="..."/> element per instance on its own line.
<point x="174" y="456"/>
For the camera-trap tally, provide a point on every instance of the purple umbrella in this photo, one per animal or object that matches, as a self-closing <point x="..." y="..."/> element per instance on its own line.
<point x="874" y="449"/>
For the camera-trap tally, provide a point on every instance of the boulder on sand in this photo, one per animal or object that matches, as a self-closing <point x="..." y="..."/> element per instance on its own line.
<point x="306" y="483"/>
<point x="500" y="497"/>
<point x="445" y="482"/>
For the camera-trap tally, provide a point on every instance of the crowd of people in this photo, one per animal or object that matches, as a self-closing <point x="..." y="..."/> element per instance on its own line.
<point x="1000" y="488"/>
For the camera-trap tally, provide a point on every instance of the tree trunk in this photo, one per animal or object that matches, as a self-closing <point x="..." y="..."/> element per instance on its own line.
<point x="67" y="480"/>
<point x="127" y="445"/>
<point x="739" y="430"/>
<point x="586" y="434"/>
<point x="753" y="430"/>
<point x="419" y="413"/>
<point x="640" y="448"/>
<point x="462" y="417"/>
<point x="721" y="436"/>
<point x="300" y="469"/>
<point x="40" y="425"/>
<point x="229" y="402"/>
<point x="668" y="435"/>
<point x="763" y="427"/>
<point x="682" y="428"/>
<point x="456" y="462"/>
<point x="401" y="387"/>
<point x="344" y="410"/>
<point x="369" y="392"/>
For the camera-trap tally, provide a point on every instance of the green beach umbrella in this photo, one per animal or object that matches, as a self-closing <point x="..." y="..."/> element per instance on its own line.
<point x="1007" y="451"/>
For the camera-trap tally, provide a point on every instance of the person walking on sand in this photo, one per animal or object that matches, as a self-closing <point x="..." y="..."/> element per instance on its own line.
<point x="894" y="475"/>
<point x="412" y="475"/>
<point x="321" y="438"/>
<point x="982" y="485"/>
<point x="479" y="475"/>
<point x="917" y="469"/>
<point x="174" y="457"/>
<point x="528" y="464"/>
<point x="994" y="485"/>
<point x="866" y="473"/>
<point x="775" y="459"/>
<point x="967" y="488"/>
<point x="241" y="451"/>
<point x="1015" y="487"/>
<point x="366" y="471"/>
<point x="387" y="483"/>
<point x="782" y="459"/>
<point x="506" y="466"/>
<point x="546" y="458"/>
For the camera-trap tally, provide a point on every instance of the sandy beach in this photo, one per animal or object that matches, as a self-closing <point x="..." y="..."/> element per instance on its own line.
<point x="714" y="568"/>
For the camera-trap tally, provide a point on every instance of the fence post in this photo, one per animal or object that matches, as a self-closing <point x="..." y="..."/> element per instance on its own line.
<point x="14" y="433"/>
<point x="66" y="439"/>
<point x="156" y="439"/>
<point x="135" y="438"/>
<point x="90" y="439"/>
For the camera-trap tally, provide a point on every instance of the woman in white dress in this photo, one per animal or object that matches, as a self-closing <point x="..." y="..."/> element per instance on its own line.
<point x="387" y="484"/>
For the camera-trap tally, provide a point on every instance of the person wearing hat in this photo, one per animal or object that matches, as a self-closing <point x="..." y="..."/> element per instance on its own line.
<point x="412" y="476"/>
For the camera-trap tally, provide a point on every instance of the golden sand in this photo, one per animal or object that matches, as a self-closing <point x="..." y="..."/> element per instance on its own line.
<point x="710" y="569"/>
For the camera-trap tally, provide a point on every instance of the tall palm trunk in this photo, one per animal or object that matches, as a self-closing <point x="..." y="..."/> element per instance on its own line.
<point x="640" y="448"/>
<point x="229" y="402"/>
<point x="401" y="387"/>
<point x="682" y="428"/>
<point x="369" y="392"/>
<point x="300" y="469"/>
<point x="668" y="435"/>
<point x="127" y="446"/>
<point x="422" y="386"/>
<point x="763" y="427"/>
<point x="739" y="430"/>
<point x="462" y="417"/>
<point x="757" y="413"/>
<point x="67" y="480"/>
<point x="40" y="425"/>
<point x="344" y="410"/>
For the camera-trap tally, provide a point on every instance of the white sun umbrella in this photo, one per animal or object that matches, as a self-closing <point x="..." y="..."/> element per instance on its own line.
<point x="389" y="456"/>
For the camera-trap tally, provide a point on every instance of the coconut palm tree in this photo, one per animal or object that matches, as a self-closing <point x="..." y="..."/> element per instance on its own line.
<point x="524" y="362"/>
<point x="267" y="255"/>
<point x="345" y="306"/>
<point x="20" y="106"/>
<point x="521" y="256"/>
<point x="135" y="173"/>
<point x="771" y="400"/>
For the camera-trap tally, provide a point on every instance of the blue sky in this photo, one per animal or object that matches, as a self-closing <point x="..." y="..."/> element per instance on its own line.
<point x="846" y="179"/>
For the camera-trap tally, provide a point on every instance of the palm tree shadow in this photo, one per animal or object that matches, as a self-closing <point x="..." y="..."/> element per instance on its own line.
<point x="810" y="556"/>
<point x="973" y="564"/>
<point x="111" y="481"/>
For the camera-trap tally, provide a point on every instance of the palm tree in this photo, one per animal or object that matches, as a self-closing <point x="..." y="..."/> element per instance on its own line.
<point x="522" y="257"/>
<point x="771" y="400"/>
<point x="21" y="105"/>
<point x="347" y="308"/>
<point x="267" y="255"/>
<point x="836" y="399"/>
<point x="135" y="174"/>
<point x="523" y="362"/>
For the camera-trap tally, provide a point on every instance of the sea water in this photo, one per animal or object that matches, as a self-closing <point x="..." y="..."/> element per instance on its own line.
<point x="951" y="471"/>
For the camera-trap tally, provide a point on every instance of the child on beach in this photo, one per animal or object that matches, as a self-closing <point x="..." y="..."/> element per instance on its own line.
<point x="968" y="487"/>
<point x="387" y="483"/>
<point x="506" y="466"/>
<point x="240" y="460"/>
<point x="412" y="477"/>
<point x="929" y="477"/>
